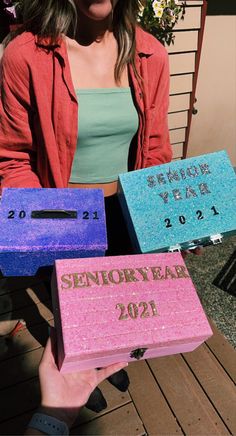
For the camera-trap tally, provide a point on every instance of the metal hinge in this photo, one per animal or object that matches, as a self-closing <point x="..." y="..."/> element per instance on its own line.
<point x="216" y="239"/>
<point x="173" y="248"/>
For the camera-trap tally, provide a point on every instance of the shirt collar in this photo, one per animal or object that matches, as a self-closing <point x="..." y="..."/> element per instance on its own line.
<point x="59" y="47"/>
<point x="143" y="42"/>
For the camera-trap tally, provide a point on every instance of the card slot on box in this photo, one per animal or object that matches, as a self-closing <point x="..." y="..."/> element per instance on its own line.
<point x="54" y="214"/>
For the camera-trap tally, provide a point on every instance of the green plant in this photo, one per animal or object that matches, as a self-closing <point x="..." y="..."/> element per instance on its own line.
<point x="160" y="17"/>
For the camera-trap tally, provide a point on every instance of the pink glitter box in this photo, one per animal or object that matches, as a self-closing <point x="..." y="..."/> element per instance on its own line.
<point x="123" y="308"/>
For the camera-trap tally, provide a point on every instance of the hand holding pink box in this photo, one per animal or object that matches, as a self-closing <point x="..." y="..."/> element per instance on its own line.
<point x="123" y="308"/>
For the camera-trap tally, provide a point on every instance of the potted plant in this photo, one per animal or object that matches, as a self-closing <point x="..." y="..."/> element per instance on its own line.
<point x="160" y="17"/>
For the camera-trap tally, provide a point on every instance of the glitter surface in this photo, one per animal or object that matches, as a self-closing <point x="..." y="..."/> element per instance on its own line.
<point x="105" y="308"/>
<point x="185" y="202"/>
<point x="27" y="243"/>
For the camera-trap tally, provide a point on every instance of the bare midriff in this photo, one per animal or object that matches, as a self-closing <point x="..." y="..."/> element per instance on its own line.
<point x="109" y="188"/>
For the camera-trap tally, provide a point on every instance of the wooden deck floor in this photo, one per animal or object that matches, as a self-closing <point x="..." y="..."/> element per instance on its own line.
<point x="192" y="393"/>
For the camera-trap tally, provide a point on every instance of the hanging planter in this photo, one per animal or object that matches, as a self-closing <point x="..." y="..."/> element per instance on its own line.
<point x="160" y="17"/>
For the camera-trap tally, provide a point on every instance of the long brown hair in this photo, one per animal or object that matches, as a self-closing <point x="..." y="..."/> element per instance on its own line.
<point x="52" y="18"/>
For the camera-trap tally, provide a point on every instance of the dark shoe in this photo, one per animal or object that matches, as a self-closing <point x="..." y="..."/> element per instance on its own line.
<point x="120" y="380"/>
<point x="96" y="401"/>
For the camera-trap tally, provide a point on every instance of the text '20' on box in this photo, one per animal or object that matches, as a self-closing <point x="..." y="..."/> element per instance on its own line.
<point x="181" y="204"/>
<point x="41" y="225"/>
<point x="124" y="308"/>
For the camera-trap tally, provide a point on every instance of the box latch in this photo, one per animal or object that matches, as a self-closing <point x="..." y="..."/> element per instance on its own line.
<point x="138" y="353"/>
<point x="174" y="248"/>
<point x="216" y="239"/>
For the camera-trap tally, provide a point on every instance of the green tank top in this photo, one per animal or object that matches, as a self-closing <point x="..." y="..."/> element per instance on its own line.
<point x="108" y="120"/>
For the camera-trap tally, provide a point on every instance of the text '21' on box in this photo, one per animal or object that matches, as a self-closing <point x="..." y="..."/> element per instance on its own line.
<point x="124" y="308"/>
<point x="41" y="225"/>
<point x="181" y="204"/>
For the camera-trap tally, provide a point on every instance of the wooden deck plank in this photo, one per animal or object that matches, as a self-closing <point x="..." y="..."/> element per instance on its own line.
<point x="188" y="401"/>
<point x="122" y="421"/>
<point x="33" y="305"/>
<point x="223" y="351"/>
<point x="16" y="425"/>
<point x="20" y="398"/>
<point x="17" y="302"/>
<point x="216" y="383"/>
<point x="32" y="315"/>
<point x="27" y="340"/>
<point x="114" y="399"/>
<point x="20" y="368"/>
<point x="149" y="401"/>
<point x="11" y="284"/>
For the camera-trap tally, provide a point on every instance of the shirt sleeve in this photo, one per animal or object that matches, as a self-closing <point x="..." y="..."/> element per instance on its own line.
<point x="17" y="151"/>
<point x="159" y="149"/>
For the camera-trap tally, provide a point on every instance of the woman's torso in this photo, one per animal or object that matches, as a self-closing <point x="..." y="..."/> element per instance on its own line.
<point x="49" y="103"/>
<point x="92" y="68"/>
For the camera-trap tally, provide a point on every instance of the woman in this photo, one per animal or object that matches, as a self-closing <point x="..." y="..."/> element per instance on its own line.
<point x="84" y="97"/>
<point x="42" y="70"/>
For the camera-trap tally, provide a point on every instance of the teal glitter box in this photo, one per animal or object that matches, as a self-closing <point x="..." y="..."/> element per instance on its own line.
<point x="180" y="205"/>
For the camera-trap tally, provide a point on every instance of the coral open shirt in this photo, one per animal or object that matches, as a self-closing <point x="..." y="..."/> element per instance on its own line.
<point x="39" y="111"/>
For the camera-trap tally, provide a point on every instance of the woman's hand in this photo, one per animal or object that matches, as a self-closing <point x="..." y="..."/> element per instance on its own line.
<point x="64" y="394"/>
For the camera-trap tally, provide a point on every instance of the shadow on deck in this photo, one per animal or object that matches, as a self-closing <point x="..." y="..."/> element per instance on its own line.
<point x="192" y="393"/>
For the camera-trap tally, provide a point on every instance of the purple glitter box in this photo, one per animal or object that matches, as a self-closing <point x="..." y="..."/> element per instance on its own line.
<point x="181" y="204"/>
<point x="41" y="225"/>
